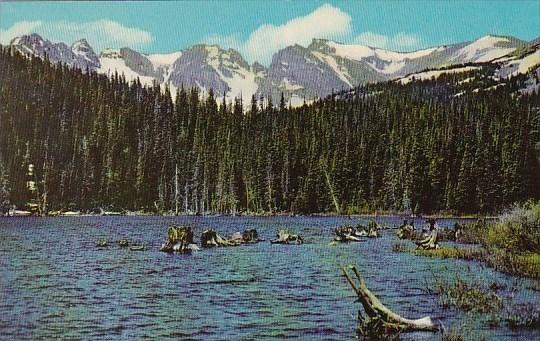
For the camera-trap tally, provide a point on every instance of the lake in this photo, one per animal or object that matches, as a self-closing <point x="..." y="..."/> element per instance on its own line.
<point x="55" y="283"/>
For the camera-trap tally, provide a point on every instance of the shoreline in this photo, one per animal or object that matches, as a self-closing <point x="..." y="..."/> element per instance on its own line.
<point x="258" y="215"/>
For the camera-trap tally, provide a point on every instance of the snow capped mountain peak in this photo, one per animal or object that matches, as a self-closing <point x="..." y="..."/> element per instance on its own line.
<point x="325" y="66"/>
<point x="211" y="67"/>
<point x="81" y="48"/>
<point x="28" y="44"/>
<point x="79" y="55"/>
<point x="81" y="43"/>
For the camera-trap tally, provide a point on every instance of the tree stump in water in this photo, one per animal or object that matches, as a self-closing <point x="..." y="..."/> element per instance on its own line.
<point x="431" y="242"/>
<point x="372" y="229"/>
<point x="285" y="237"/>
<point x="348" y="233"/>
<point x="380" y="320"/>
<point x="102" y="243"/>
<point x="250" y="236"/>
<point x="179" y="239"/>
<point x="210" y="238"/>
<point x="408" y="232"/>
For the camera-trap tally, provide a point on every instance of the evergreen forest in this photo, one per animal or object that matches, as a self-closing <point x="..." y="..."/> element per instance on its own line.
<point x="428" y="146"/>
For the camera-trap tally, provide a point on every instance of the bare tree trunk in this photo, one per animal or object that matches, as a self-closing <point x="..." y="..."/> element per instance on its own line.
<point x="331" y="188"/>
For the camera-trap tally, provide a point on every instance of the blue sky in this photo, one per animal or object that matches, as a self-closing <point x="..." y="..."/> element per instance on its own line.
<point x="257" y="28"/>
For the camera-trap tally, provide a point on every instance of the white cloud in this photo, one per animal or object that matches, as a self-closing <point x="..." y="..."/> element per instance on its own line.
<point x="326" y="21"/>
<point x="18" y="29"/>
<point x="400" y="41"/>
<point x="100" y="34"/>
<point x="233" y="41"/>
<point x="372" y="39"/>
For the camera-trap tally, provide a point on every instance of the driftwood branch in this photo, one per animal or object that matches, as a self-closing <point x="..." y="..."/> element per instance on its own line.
<point x="374" y="309"/>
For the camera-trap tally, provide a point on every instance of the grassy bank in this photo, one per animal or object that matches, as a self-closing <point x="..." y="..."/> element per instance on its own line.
<point x="489" y="301"/>
<point x="511" y="245"/>
<point x="524" y="264"/>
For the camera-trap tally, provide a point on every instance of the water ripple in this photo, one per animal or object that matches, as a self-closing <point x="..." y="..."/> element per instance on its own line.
<point x="55" y="284"/>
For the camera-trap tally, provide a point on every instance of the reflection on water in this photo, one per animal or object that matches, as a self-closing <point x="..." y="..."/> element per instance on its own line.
<point x="54" y="282"/>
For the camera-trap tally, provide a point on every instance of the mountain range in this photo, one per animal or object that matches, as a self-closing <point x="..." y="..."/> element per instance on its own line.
<point x="300" y="73"/>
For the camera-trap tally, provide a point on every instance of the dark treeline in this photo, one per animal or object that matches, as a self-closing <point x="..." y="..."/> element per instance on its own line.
<point x="103" y="142"/>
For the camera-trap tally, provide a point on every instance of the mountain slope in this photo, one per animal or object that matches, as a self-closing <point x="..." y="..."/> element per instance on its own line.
<point x="210" y="67"/>
<point x="296" y="71"/>
<point x="326" y="66"/>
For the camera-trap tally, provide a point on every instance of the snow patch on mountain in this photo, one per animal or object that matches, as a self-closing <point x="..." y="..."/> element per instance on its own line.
<point x="242" y="83"/>
<point x="393" y="61"/>
<point x="167" y="59"/>
<point x="523" y="65"/>
<point x="239" y="78"/>
<point x="359" y="52"/>
<point x="434" y="74"/>
<point x="484" y="49"/>
<point x="289" y="86"/>
<point x="112" y="61"/>
<point x="340" y="71"/>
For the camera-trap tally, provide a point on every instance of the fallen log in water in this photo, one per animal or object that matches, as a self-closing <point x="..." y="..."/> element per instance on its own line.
<point x="381" y="320"/>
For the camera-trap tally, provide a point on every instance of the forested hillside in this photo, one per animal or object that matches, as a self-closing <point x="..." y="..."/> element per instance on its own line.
<point x="428" y="146"/>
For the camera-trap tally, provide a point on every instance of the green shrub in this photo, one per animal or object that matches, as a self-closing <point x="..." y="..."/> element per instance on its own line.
<point x="517" y="231"/>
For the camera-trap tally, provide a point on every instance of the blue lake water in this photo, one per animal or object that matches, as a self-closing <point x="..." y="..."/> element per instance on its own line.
<point x="55" y="283"/>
